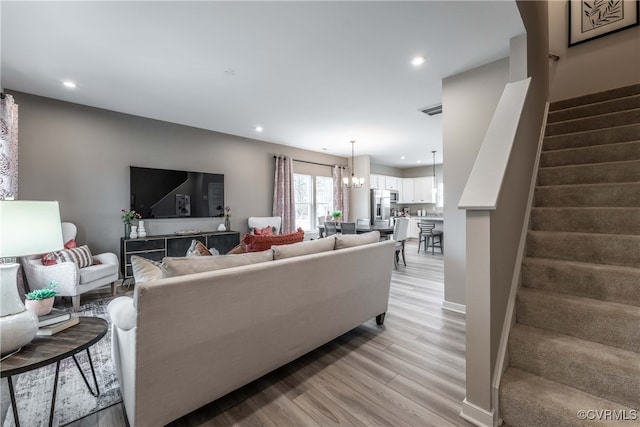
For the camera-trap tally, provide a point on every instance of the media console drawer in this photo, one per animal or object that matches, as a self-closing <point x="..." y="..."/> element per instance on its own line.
<point x="157" y="247"/>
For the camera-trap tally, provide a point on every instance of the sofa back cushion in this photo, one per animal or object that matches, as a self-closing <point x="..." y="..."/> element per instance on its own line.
<point x="303" y="248"/>
<point x="179" y="266"/>
<point x="350" y="240"/>
<point x="261" y="243"/>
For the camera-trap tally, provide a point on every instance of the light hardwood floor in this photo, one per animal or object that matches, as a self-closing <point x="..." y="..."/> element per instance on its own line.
<point x="409" y="372"/>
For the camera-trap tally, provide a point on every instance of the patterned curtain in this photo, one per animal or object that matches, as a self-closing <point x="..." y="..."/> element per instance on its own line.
<point x="8" y="148"/>
<point x="284" y="204"/>
<point x="340" y="192"/>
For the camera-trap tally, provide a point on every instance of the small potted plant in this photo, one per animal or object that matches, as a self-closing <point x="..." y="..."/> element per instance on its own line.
<point x="40" y="301"/>
<point x="336" y="215"/>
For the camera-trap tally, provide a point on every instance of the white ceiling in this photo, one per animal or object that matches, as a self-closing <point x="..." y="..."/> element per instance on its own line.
<point x="315" y="75"/>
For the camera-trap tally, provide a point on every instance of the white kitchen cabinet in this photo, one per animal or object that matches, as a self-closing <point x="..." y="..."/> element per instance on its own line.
<point x="406" y="193"/>
<point x="391" y="183"/>
<point x="375" y="181"/>
<point x="423" y="190"/>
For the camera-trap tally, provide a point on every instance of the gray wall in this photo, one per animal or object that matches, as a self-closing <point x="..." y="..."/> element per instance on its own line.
<point x="81" y="155"/>
<point x="596" y="65"/>
<point x="468" y="102"/>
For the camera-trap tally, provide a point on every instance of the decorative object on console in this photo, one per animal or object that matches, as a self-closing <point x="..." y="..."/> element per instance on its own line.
<point x="26" y="227"/>
<point x="227" y="218"/>
<point x="134" y="232"/>
<point x="142" y="232"/>
<point x="355" y="182"/>
<point x="40" y="301"/>
<point x="127" y="217"/>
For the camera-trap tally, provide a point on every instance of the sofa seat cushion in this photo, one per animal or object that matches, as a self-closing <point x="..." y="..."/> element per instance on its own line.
<point x="350" y="240"/>
<point x="303" y="248"/>
<point x="174" y="266"/>
<point x="256" y="243"/>
<point x="95" y="272"/>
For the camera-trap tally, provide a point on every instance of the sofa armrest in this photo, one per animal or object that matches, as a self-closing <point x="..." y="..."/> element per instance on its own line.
<point x="107" y="258"/>
<point x="122" y="312"/>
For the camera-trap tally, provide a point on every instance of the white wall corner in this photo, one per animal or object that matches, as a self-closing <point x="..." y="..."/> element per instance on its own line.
<point x="518" y="58"/>
<point x="455" y="307"/>
<point x="477" y="415"/>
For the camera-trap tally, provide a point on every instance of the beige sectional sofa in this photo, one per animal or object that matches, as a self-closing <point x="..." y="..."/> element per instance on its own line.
<point x="187" y="340"/>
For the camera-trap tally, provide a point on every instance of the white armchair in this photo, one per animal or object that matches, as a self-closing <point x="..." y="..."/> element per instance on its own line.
<point x="262" y="221"/>
<point x="72" y="281"/>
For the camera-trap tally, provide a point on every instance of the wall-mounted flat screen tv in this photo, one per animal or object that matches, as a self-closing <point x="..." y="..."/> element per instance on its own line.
<point x="164" y="193"/>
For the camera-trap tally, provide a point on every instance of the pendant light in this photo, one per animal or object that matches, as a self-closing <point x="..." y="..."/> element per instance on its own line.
<point x="354" y="182"/>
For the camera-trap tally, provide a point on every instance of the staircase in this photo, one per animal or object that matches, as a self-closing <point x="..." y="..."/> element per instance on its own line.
<point x="576" y="342"/>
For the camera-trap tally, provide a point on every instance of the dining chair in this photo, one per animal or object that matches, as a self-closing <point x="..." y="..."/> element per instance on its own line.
<point x="400" y="235"/>
<point x="381" y="223"/>
<point x="430" y="236"/>
<point x="363" y="224"/>
<point x="348" y="227"/>
<point x="330" y="228"/>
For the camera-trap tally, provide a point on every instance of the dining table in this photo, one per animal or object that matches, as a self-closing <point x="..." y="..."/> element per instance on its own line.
<point x="385" y="232"/>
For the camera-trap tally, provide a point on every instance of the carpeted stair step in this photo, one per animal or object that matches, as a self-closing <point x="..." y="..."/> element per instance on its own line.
<point x="587" y="220"/>
<point x="602" y="322"/>
<point x="612" y="249"/>
<point x="598" y="173"/>
<point x="595" y="109"/>
<point x="620" y="92"/>
<point x="612" y="135"/>
<point x="602" y="121"/>
<point x="528" y="400"/>
<point x="618" y="194"/>
<point x="607" y="372"/>
<point x="618" y="152"/>
<point x="597" y="281"/>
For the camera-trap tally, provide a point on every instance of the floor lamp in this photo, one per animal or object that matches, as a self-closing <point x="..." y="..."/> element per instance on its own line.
<point x="26" y="228"/>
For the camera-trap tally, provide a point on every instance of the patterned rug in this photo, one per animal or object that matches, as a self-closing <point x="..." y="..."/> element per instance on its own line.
<point x="34" y="389"/>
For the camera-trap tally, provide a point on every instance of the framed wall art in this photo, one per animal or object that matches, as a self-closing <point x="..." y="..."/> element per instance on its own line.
<point x="590" y="19"/>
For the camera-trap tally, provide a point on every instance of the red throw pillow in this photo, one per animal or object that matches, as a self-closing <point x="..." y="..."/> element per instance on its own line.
<point x="51" y="259"/>
<point x="258" y="243"/>
<point x="267" y="231"/>
<point x="70" y="244"/>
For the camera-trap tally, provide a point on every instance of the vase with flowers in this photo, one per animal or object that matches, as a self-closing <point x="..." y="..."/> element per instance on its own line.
<point x="336" y="215"/>
<point x="127" y="217"/>
<point x="227" y="218"/>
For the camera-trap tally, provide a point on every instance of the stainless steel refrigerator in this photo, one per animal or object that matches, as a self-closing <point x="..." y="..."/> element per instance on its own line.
<point x="380" y="205"/>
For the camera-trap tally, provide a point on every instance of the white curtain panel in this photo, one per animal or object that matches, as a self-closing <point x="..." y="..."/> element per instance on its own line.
<point x="284" y="204"/>
<point x="340" y="192"/>
<point x="8" y="148"/>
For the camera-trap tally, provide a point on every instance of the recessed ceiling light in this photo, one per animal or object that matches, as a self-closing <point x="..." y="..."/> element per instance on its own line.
<point x="401" y="157"/>
<point x="418" y="60"/>
<point x="69" y="84"/>
<point x="419" y="161"/>
<point x="258" y="128"/>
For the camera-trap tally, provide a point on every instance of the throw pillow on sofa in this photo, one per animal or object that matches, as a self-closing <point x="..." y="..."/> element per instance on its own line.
<point x="198" y="249"/>
<point x="174" y="266"/>
<point x="350" y="240"/>
<point x="261" y="243"/>
<point x="303" y="248"/>
<point x="145" y="270"/>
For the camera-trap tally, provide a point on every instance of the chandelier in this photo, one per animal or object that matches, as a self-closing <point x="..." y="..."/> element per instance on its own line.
<point x="354" y="182"/>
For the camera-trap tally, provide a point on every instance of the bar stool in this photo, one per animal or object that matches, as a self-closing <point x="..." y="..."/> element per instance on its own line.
<point x="430" y="236"/>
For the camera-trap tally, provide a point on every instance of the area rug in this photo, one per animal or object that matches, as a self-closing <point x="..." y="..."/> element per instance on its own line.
<point x="34" y="389"/>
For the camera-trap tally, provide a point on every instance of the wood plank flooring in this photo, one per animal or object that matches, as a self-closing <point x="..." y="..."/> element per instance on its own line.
<point x="409" y="372"/>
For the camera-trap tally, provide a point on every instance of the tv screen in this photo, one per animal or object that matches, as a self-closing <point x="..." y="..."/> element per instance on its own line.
<point x="164" y="193"/>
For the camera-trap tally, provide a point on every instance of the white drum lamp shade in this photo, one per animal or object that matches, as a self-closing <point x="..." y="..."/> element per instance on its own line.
<point x="26" y="228"/>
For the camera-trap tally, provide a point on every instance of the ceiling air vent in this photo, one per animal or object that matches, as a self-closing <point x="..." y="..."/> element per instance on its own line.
<point x="432" y="111"/>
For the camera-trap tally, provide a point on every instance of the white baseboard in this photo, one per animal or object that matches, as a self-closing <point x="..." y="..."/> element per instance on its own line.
<point x="455" y="307"/>
<point x="476" y="415"/>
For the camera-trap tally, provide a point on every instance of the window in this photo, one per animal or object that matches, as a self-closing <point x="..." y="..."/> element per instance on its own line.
<point x="314" y="198"/>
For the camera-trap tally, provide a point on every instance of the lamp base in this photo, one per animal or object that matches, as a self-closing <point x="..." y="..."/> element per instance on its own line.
<point x="18" y="326"/>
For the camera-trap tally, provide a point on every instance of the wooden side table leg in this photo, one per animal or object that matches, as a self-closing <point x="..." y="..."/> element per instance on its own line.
<point x="14" y="406"/>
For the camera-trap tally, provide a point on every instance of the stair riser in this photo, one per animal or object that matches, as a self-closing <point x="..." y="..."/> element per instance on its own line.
<point x="597" y="154"/>
<point x="603" y="371"/>
<point x="592" y="123"/>
<point x="605" y="283"/>
<point x="613" y="195"/>
<point x="614" y="325"/>
<point x="615" y="105"/>
<point x="587" y="220"/>
<point x="590" y="174"/>
<point x="612" y="135"/>
<point x="609" y="249"/>
<point x="620" y="92"/>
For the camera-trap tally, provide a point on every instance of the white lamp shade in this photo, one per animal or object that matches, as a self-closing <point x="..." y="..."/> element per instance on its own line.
<point x="29" y="228"/>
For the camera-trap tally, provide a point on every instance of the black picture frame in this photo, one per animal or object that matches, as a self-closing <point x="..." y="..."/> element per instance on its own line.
<point x="592" y="19"/>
